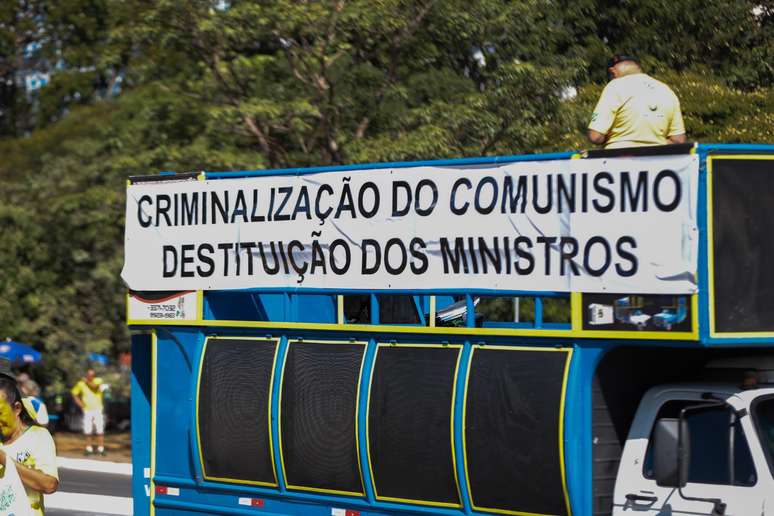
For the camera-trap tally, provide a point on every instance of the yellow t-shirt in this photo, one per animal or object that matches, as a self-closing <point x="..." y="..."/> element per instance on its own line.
<point x="35" y="449"/>
<point x="637" y="110"/>
<point x="92" y="398"/>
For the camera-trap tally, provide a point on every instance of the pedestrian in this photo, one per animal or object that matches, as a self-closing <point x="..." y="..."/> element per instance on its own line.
<point x="635" y="109"/>
<point x="29" y="388"/>
<point x="89" y="394"/>
<point x="29" y="445"/>
<point x="27" y="385"/>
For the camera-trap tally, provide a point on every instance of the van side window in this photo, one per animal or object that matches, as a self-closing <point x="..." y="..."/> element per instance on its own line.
<point x="719" y="451"/>
<point x="763" y="409"/>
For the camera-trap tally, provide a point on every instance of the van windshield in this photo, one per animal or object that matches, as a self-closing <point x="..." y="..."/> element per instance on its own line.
<point x="764" y="417"/>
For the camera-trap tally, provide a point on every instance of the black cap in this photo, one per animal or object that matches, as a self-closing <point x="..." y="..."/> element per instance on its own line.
<point x="620" y="58"/>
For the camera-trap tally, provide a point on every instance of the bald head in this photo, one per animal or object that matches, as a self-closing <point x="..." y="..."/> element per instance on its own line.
<point x="624" y="68"/>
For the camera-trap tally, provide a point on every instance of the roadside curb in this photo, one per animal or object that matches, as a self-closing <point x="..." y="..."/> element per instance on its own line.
<point x="97" y="466"/>
<point x="90" y="504"/>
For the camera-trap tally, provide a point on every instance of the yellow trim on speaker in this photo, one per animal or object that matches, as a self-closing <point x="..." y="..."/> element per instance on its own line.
<point x="340" y="309"/>
<point x="198" y="391"/>
<point x="515" y="513"/>
<point x="464" y="440"/>
<point x="425" y="330"/>
<point x="368" y="436"/>
<point x="562" y="464"/>
<point x="368" y="419"/>
<point x="711" y="247"/>
<point x="451" y="425"/>
<point x="198" y="430"/>
<point x="695" y="315"/>
<point x="357" y="406"/>
<point x="742" y="335"/>
<point x="431" y="315"/>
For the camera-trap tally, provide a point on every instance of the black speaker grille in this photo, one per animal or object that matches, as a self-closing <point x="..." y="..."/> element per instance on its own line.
<point x="233" y="415"/>
<point x="409" y="424"/>
<point x="512" y="416"/>
<point x="743" y="193"/>
<point x="318" y="419"/>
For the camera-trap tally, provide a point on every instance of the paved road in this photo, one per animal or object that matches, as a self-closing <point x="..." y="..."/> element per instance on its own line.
<point x="86" y="493"/>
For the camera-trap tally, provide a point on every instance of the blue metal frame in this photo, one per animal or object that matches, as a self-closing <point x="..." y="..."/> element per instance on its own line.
<point x="703" y="262"/>
<point x="179" y="465"/>
<point x="401" y="164"/>
<point x="704" y="151"/>
<point x="734" y="148"/>
<point x="459" y="436"/>
<point x="365" y="382"/>
<point x="275" y="397"/>
<point x="199" y="495"/>
<point x="141" y="412"/>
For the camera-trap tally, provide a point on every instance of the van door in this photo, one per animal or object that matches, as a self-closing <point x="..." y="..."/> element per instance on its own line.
<point x="721" y="467"/>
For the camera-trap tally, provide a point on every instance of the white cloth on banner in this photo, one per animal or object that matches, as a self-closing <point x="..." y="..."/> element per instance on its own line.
<point x="583" y="225"/>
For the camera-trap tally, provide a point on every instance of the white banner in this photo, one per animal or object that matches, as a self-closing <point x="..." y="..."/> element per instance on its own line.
<point x="590" y="225"/>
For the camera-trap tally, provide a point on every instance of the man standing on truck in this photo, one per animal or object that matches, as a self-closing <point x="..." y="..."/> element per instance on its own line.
<point x="635" y="109"/>
<point x="89" y="394"/>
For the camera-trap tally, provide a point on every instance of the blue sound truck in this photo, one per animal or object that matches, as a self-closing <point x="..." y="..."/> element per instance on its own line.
<point x="439" y="337"/>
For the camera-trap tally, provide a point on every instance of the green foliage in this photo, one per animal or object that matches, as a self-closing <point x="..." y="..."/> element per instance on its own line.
<point x="716" y="113"/>
<point x="254" y="84"/>
<point x="726" y="36"/>
<point x="63" y="39"/>
<point x="334" y="82"/>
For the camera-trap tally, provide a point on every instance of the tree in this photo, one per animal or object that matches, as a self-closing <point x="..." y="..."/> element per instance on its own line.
<point x="50" y="60"/>
<point x="730" y="37"/>
<point x="331" y="82"/>
<point x="251" y="84"/>
<point x="19" y="29"/>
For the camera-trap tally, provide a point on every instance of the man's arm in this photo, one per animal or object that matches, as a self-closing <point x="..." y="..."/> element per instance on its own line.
<point x="596" y="137"/>
<point x="676" y="133"/>
<point x="78" y="401"/>
<point x="76" y="394"/>
<point x="678" y="138"/>
<point x="33" y="478"/>
<point x="37" y="480"/>
<point x="604" y="115"/>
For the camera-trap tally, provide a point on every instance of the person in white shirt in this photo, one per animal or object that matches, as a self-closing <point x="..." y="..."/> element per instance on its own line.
<point x="26" y="443"/>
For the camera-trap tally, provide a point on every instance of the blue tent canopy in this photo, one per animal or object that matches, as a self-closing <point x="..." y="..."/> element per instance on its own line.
<point x="98" y="358"/>
<point x="19" y="354"/>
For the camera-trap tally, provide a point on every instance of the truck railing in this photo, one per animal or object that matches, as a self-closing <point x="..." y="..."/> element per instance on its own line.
<point x="709" y="316"/>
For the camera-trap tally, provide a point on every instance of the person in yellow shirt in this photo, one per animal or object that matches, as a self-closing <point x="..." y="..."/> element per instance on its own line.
<point x="89" y="394"/>
<point x="28" y="445"/>
<point x="635" y="109"/>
